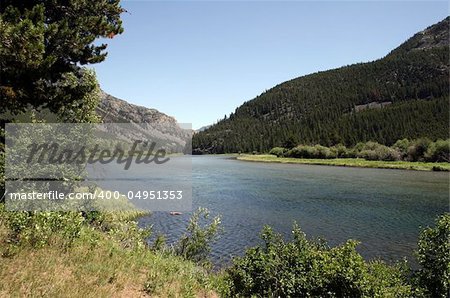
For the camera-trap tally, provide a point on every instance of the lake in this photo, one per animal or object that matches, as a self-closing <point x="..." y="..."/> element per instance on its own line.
<point x="383" y="209"/>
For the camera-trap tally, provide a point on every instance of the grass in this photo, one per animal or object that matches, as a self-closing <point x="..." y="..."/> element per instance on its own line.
<point x="351" y="162"/>
<point x="105" y="259"/>
<point x="97" y="266"/>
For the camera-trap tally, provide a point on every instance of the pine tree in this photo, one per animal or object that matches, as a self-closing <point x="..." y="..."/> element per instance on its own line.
<point x="45" y="41"/>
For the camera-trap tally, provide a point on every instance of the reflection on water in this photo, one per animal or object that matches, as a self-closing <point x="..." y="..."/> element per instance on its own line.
<point x="384" y="209"/>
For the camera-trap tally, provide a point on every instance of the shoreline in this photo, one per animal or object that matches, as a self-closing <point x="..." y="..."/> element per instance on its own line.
<point x="350" y="162"/>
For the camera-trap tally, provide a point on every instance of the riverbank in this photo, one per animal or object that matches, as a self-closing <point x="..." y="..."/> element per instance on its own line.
<point x="351" y="162"/>
<point x="55" y="254"/>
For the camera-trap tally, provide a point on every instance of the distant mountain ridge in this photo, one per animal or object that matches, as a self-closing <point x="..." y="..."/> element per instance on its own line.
<point x="403" y="95"/>
<point x="147" y="123"/>
<point x="113" y="109"/>
<point x="203" y="128"/>
<point x="434" y="36"/>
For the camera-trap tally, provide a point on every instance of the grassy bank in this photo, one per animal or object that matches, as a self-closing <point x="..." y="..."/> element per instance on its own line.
<point x="55" y="254"/>
<point x="351" y="162"/>
<point x="96" y="266"/>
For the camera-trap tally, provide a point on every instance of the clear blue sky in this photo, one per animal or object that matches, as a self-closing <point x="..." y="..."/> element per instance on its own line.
<point x="198" y="61"/>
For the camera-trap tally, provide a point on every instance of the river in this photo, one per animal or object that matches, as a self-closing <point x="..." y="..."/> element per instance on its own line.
<point x="383" y="209"/>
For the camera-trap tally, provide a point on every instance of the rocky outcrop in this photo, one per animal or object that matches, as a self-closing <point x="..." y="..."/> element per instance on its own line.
<point x="145" y="124"/>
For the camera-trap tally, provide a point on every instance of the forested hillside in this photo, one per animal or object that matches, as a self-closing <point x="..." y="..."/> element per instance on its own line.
<point x="403" y="95"/>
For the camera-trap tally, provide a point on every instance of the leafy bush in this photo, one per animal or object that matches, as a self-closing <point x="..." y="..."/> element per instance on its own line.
<point x="359" y="147"/>
<point x="402" y="147"/>
<point x="194" y="245"/>
<point x="438" y="151"/>
<point x="340" y="151"/>
<point x="371" y="146"/>
<point x="385" y="154"/>
<point x="367" y="154"/>
<point x="433" y="256"/>
<point x="38" y="228"/>
<point x="304" y="268"/>
<point x="300" y="151"/>
<point x="305" y="151"/>
<point x="375" y="151"/>
<point x="278" y="151"/>
<point x="129" y="235"/>
<point x="323" y="152"/>
<point x="417" y="149"/>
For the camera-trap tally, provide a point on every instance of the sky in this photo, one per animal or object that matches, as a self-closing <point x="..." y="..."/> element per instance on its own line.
<point x="199" y="60"/>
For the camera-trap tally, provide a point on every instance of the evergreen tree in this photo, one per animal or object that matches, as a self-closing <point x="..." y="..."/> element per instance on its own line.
<point x="46" y="41"/>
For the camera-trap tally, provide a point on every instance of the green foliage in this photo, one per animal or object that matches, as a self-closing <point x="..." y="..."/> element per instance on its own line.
<point x="278" y="151"/>
<point x="341" y="151"/>
<point x="290" y="142"/>
<point x="438" y="151"/>
<point x="43" y="44"/>
<point x="375" y="151"/>
<point x="2" y="171"/>
<point x="305" y="268"/>
<point x="96" y="265"/>
<point x="332" y="107"/>
<point x="194" y="245"/>
<point x="128" y="234"/>
<point x="418" y="148"/>
<point x="300" y="151"/>
<point x="388" y="281"/>
<point x="82" y="108"/>
<point x="402" y="147"/>
<point x="434" y="258"/>
<point x="37" y="229"/>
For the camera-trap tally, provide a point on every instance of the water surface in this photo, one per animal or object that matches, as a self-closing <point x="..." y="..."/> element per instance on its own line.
<point x="382" y="208"/>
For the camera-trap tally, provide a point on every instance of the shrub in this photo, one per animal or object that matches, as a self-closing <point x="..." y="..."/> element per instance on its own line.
<point x="438" y="151"/>
<point x="367" y="154"/>
<point x="129" y="235"/>
<point x="417" y="149"/>
<point x="340" y="151"/>
<point x="388" y="281"/>
<point x="303" y="268"/>
<point x="323" y="152"/>
<point x="433" y="256"/>
<point x="402" y="147"/>
<point x="301" y="151"/>
<point x="195" y="244"/>
<point x="305" y="151"/>
<point x="371" y="145"/>
<point x="367" y="150"/>
<point x="387" y="154"/>
<point x="375" y="151"/>
<point x="37" y="228"/>
<point x="278" y="151"/>
<point x="359" y="147"/>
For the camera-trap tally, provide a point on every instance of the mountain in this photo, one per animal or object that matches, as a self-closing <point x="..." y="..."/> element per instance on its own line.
<point x="203" y="128"/>
<point x="145" y="123"/>
<point x="403" y="95"/>
<point x="113" y="109"/>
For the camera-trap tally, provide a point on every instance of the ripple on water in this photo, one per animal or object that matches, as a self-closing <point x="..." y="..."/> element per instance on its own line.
<point x="384" y="209"/>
